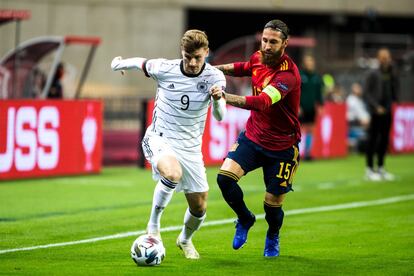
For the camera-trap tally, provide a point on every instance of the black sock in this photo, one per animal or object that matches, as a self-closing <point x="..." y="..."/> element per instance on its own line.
<point x="233" y="195"/>
<point x="274" y="217"/>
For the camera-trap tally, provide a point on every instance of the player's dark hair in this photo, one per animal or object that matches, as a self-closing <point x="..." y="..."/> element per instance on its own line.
<point x="278" y="25"/>
<point x="193" y="40"/>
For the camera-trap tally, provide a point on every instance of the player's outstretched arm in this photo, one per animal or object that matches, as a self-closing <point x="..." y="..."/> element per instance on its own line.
<point x="136" y="63"/>
<point x="258" y="103"/>
<point x="227" y="69"/>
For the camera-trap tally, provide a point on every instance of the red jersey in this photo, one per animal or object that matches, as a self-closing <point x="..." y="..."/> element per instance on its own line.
<point x="276" y="127"/>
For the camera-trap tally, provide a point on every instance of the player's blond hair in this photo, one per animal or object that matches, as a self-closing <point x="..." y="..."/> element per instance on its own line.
<point x="193" y="40"/>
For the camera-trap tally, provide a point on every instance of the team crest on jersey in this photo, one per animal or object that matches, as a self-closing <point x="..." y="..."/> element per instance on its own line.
<point x="202" y="86"/>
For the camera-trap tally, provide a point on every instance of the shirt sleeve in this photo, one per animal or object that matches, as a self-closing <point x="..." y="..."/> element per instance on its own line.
<point x="258" y="103"/>
<point x="284" y="82"/>
<point x="220" y="80"/>
<point x="242" y="69"/>
<point x="152" y="68"/>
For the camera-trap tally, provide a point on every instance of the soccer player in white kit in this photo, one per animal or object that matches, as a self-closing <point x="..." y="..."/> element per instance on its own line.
<point x="172" y="143"/>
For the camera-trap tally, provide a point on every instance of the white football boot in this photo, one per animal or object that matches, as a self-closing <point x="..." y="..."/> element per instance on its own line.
<point x="188" y="248"/>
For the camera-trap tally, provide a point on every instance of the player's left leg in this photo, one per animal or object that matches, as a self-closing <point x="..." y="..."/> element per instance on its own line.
<point x="195" y="186"/>
<point x="278" y="173"/>
<point x="274" y="217"/>
<point x="193" y="218"/>
<point x="371" y="173"/>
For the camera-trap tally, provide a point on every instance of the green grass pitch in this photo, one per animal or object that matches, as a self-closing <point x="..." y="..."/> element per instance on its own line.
<point x="374" y="239"/>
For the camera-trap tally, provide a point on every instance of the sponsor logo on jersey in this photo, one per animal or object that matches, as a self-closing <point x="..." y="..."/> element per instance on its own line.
<point x="282" y="86"/>
<point x="171" y="86"/>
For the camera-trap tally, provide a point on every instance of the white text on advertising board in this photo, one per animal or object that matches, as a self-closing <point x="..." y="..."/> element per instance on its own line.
<point x="32" y="139"/>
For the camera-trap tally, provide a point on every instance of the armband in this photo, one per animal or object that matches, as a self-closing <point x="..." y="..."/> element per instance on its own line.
<point x="273" y="93"/>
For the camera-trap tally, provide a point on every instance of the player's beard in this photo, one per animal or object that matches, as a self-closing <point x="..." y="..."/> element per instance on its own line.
<point x="270" y="59"/>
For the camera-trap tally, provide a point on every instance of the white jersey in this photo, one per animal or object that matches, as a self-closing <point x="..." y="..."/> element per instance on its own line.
<point x="182" y="101"/>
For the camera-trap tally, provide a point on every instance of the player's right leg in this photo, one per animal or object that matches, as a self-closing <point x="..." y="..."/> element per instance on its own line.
<point x="274" y="217"/>
<point x="168" y="171"/>
<point x="383" y="138"/>
<point x="241" y="159"/>
<point x="229" y="174"/>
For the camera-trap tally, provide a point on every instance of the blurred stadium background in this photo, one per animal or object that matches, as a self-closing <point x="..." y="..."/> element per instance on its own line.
<point x="342" y="35"/>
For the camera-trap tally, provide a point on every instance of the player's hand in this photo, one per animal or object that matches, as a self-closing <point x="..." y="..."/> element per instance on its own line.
<point x="216" y="93"/>
<point x="115" y="63"/>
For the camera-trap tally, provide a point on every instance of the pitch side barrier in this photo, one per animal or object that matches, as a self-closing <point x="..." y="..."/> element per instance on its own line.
<point x="402" y="130"/>
<point x="45" y="138"/>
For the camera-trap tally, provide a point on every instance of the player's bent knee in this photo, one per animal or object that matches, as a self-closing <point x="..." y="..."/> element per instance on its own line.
<point x="198" y="211"/>
<point x="198" y="208"/>
<point x="172" y="173"/>
<point x="173" y="176"/>
<point x="272" y="199"/>
<point x="226" y="180"/>
<point x="170" y="168"/>
<point x="197" y="203"/>
<point x="223" y="182"/>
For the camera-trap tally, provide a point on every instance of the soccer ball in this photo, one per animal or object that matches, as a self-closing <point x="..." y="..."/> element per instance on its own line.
<point x="147" y="250"/>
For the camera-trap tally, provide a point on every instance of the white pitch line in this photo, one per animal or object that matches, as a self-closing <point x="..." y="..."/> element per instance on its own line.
<point x="351" y="205"/>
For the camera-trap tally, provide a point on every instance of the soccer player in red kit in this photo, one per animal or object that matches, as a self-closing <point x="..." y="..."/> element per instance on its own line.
<point x="272" y="133"/>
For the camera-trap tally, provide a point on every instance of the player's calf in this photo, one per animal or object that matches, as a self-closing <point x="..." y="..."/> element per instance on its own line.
<point x="233" y="194"/>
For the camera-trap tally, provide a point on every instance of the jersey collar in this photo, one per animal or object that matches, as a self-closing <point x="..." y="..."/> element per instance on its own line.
<point x="191" y="75"/>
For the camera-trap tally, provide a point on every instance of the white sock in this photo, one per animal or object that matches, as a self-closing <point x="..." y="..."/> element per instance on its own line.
<point x="191" y="224"/>
<point x="163" y="193"/>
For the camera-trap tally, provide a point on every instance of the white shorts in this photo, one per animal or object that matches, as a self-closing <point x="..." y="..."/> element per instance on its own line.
<point x="194" y="177"/>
